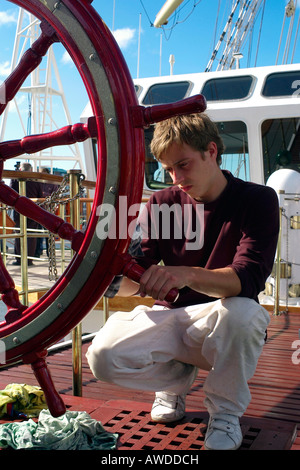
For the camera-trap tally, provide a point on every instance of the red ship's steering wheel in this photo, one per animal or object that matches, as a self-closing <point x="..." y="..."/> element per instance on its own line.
<point x="117" y="124"/>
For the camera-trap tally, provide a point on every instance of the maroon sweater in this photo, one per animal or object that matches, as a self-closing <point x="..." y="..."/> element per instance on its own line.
<point x="240" y="231"/>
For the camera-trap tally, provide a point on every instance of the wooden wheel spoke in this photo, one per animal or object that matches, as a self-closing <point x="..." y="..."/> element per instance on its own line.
<point x="29" y="61"/>
<point x="34" y="143"/>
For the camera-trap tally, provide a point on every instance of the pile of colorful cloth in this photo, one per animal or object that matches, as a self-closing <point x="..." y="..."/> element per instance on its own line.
<point x="75" y="430"/>
<point x="21" y="401"/>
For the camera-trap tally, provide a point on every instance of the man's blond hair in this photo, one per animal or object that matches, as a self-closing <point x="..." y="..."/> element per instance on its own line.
<point x="195" y="130"/>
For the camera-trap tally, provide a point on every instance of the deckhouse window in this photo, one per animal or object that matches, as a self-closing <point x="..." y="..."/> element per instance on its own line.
<point x="156" y="177"/>
<point x="229" y="88"/>
<point x="162" y="93"/>
<point x="281" y="144"/>
<point x="138" y="90"/>
<point x="235" y="157"/>
<point x="282" y="84"/>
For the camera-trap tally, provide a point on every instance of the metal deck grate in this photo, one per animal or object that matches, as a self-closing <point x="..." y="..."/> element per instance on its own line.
<point x="137" y="432"/>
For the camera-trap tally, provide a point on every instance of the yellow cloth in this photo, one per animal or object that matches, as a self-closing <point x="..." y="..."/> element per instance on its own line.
<point x="21" y="398"/>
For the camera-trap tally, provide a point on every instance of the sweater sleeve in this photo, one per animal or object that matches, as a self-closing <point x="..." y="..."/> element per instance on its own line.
<point x="149" y="236"/>
<point x="255" y="253"/>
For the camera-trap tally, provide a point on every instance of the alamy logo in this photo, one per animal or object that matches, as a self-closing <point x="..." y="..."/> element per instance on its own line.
<point x="175" y="222"/>
<point x="163" y="222"/>
<point x="296" y="84"/>
<point x="296" y="354"/>
<point x="3" y="94"/>
<point x="2" y="352"/>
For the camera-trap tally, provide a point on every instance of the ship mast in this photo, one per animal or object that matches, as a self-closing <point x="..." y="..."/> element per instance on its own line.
<point x="165" y="12"/>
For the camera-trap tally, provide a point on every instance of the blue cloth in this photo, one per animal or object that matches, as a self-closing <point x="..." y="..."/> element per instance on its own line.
<point x="75" y="430"/>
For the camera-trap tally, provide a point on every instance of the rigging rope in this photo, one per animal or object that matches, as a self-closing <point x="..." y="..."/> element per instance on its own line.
<point x="289" y="35"/>
<point x="259" y="34"/>
<point x="175" y="17"/>
<point x="229" y="21"/>
<point x="295" y="40"/>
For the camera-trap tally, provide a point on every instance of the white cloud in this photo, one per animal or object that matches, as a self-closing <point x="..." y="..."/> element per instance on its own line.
<point x="4" y="69"/>
<point x="6" y="18"/>
<point x="66" y="58"/>
<point x="21" y="103"/>
<point x="124" y="37"/>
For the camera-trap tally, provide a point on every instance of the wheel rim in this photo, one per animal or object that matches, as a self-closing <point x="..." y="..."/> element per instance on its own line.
<point x="111" y="93"/>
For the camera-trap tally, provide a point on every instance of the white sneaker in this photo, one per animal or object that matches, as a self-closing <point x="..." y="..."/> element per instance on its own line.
<point x="223" y="432"/>
<point x="168" y="407"/>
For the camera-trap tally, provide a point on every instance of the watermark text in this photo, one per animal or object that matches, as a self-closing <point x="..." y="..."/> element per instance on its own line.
<point x="2" y="352"/>
<point x="163" y="221"/>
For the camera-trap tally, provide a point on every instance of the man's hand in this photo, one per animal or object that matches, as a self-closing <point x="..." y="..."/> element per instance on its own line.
<point x="158" y="280"/>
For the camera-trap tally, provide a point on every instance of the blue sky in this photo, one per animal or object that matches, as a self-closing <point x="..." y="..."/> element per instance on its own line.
<point x="190" y="36"/>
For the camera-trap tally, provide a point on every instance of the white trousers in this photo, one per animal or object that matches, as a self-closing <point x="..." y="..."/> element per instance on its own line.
<point x="158" y="349"/>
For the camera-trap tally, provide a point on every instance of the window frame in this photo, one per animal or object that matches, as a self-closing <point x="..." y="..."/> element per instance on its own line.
<point x="293" y="93"/>
<point x="165" y="84"/>
<point x="249" y="94"/>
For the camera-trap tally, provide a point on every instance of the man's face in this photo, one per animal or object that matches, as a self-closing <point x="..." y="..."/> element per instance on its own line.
<point x="194" y="172"/>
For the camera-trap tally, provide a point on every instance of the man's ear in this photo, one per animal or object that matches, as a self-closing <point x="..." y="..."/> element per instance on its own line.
<point x="212" y="149"/>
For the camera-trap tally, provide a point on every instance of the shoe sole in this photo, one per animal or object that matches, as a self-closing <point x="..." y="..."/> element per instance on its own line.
<point x="167" y="420"/>
<point x="233" y="448"/>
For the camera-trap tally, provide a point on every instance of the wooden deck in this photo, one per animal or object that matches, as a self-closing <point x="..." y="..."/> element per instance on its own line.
<point x="270" y="422"/>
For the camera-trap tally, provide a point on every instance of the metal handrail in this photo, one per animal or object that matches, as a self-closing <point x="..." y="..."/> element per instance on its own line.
<point x="24" y="233"/>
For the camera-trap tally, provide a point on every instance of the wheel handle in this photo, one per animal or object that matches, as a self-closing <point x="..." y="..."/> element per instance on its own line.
<point x="134" y="271"/>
